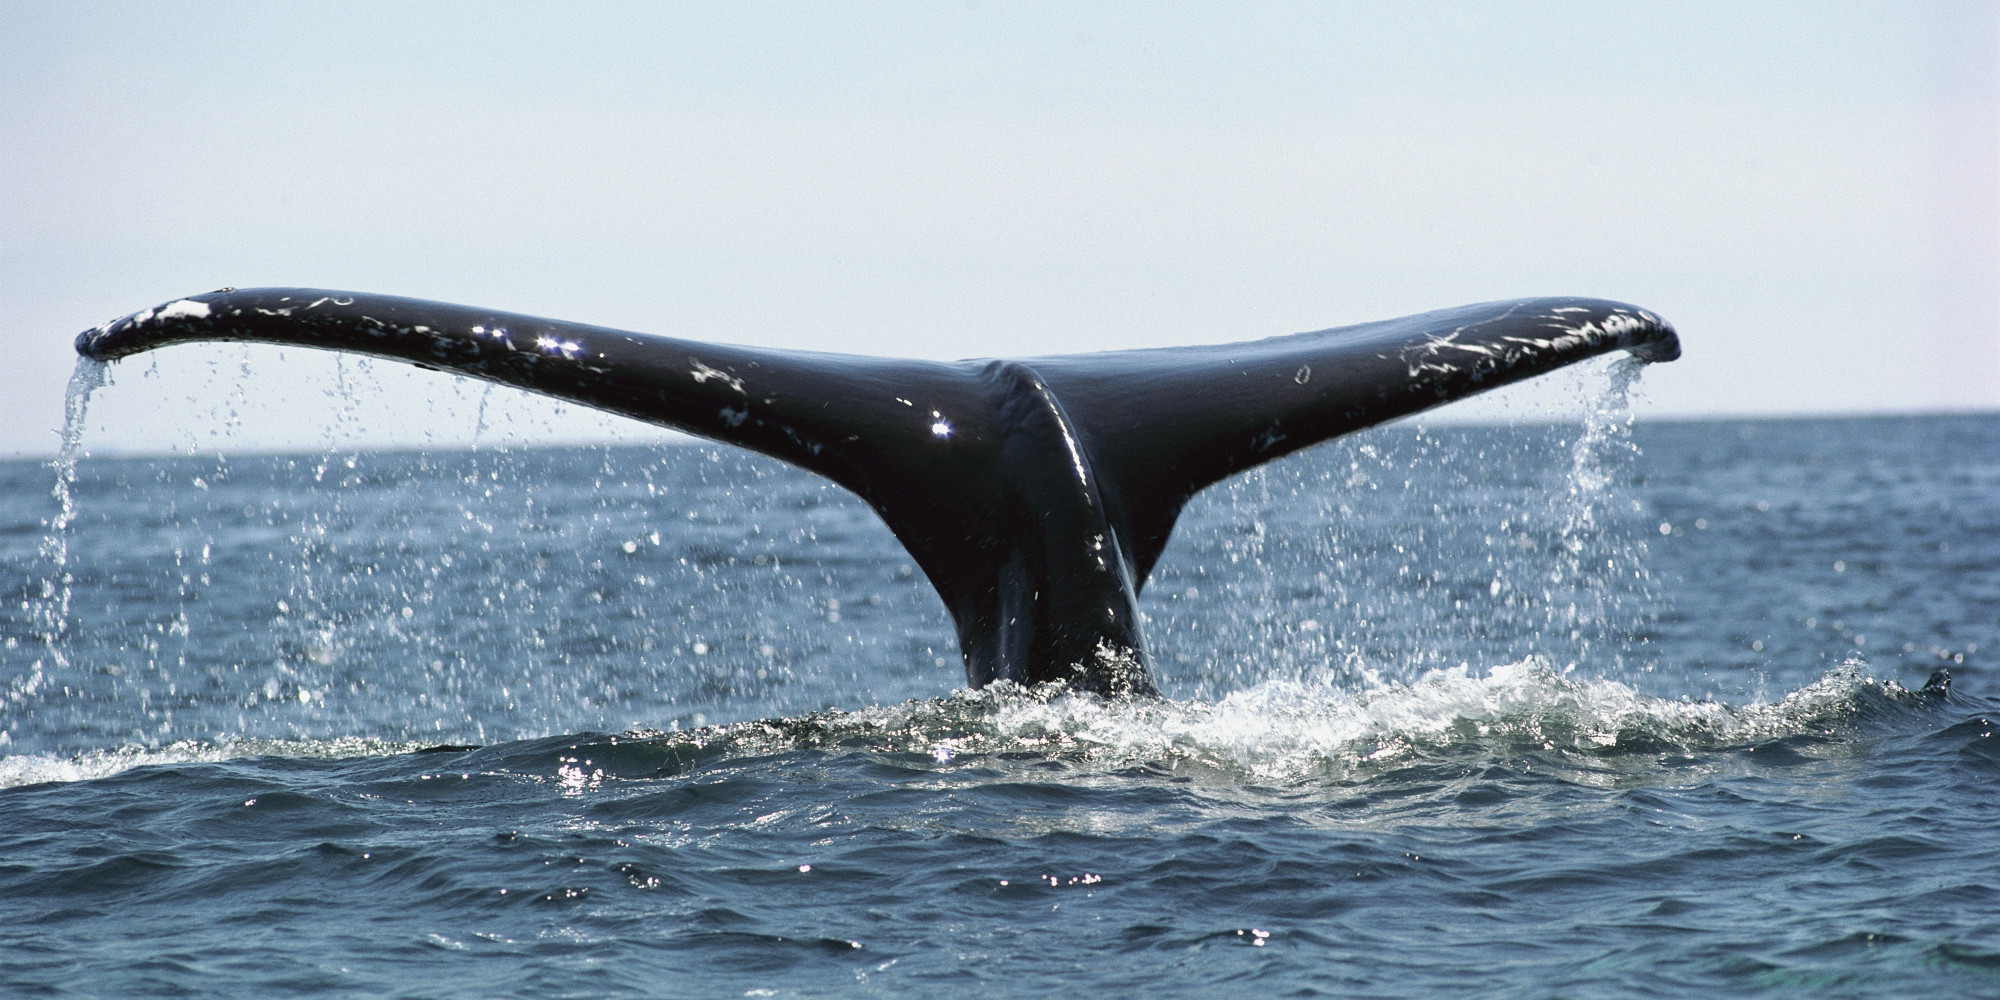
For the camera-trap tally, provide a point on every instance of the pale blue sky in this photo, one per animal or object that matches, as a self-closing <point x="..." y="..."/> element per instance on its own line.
<point x="1811" y="192"/>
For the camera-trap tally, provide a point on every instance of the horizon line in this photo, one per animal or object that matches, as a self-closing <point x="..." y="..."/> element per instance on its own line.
<point x="678" y="439"/>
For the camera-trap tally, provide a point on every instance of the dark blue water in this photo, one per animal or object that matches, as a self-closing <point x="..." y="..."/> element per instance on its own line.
<point x="1533" y="711"/>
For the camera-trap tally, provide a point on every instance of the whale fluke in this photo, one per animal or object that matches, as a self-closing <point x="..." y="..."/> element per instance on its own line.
<point x="1036" y="494"/>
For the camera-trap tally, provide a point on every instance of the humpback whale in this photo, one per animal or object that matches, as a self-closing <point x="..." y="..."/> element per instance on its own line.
<point x="1036" y="494"/>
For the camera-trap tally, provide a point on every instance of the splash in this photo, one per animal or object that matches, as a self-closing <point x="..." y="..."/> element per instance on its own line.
<point x="1276" y="733"/>
<point x="1285" y="731"/>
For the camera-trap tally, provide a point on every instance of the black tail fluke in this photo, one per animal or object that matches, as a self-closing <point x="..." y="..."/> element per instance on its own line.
<point x="1165" y="423"/>
<point x="1035" y="494"/>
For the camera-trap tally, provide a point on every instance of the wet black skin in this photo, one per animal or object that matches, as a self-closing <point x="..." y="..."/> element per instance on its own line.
<point x="1035" y="494"/>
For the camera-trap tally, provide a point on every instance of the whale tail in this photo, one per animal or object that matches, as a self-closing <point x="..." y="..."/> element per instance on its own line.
<point x="1035" y="494"/>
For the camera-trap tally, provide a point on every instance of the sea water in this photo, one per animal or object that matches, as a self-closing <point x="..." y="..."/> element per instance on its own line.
<point x="1548" y="710"/>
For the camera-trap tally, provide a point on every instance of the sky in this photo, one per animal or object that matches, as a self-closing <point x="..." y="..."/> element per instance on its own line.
<point x="1810" y="192"/>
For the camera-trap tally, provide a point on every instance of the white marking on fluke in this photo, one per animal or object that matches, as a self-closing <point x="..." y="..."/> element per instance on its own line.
<point x="188" y="308"/>
<point x="702" y="373"/>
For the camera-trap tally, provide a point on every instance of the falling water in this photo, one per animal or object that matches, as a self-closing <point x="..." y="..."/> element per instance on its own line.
<point x="1375" y="558"/>
<point x="1604" y="569"/>
<point x="1403" y="547"/>
<point x="52" y="610"/>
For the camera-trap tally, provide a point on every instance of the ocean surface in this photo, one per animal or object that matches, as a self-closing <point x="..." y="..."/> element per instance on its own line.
<point x="1573" y="709"/>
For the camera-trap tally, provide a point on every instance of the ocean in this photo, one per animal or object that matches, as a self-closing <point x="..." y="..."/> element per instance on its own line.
<point x="1561" y="709"/>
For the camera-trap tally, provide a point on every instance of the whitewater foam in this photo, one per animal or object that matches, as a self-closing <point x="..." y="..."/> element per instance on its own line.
<point x="34" y="769"/>
<point x="1285" y="730"/>
<point x="1279" y="730"/>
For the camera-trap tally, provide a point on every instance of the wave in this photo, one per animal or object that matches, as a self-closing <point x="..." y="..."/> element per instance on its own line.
<point x="35" y="769"/>
<point x="1287" y="729"/>
<point x="1276" y="730"/>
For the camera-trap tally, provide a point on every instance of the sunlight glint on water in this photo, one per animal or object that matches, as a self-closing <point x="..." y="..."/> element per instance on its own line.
<point x="368" y="559"/>
<point x="1375" y="769"/>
